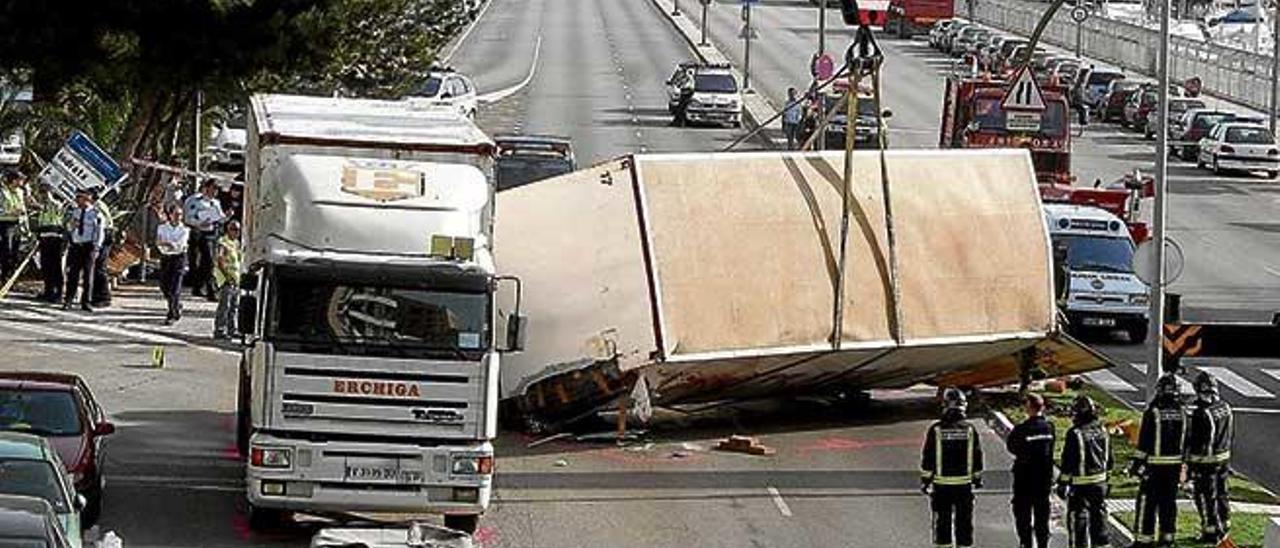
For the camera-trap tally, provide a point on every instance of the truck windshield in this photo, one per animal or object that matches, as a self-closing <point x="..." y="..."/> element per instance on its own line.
<point x="1098" y="254"/>
<point x="521" y="169"/>
<point x="380" y="320"/>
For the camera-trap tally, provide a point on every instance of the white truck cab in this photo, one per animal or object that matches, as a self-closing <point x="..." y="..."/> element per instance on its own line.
<point x="1103" y="292"/>
<point x="370" y="378"/>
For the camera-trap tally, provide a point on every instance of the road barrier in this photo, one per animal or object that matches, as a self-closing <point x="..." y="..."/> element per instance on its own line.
<point x="1237" y="75"/>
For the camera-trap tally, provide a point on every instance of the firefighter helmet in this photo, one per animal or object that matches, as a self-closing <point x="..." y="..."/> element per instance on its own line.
<point x="1083" y="408"/>
<point x="954" y="399"/>
<point x="1167" y="386"/>
<point x="1206" y="386"/>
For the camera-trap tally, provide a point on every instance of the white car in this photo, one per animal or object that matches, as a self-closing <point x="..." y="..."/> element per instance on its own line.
<point x="704" y="93"/>
<point x="11" y="149"/>
<point x="447" y="88"/>
<point x="229" y="141"/>
<point x="1240" y="146"/>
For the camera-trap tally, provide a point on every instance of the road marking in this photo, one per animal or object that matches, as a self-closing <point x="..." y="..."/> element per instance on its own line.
<point x="65" y="347"/>
<point x="1256" y="410"/>
<point x="467" y="33"/>
<point x="777" y="501"/>
<point x="1273" y="373"/>
<point x="1109" y="381"/>
<point x="504" y="93"/>
<point x="1237" y="383"/>
<point x="1272" y="271"/>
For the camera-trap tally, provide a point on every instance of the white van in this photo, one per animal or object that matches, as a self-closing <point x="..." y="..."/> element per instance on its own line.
<point x="1104" y="294"/>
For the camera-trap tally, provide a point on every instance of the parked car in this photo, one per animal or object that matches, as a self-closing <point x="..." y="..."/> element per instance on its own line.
<point x="1140" y="105"/>
<point x="1193" y="126"/>
<point x="1177" y="106"/>
<point x="447" y="88"/>
<point x="949" y="36"/>
<point x="1239" y="147"/>
<point x="62" y="409"/>
<point x="704" y="93"/>
<point x="967" y="39"/>
<point x="938" y="30"/>
<point x="1099" y="85"/>
<point x="987" y="52"/>
<point x="524" y="159"/>
<point x="1111" y="109"/>
<point x="29" y="466"/>
<point x="1066" y="70"/>
<point x="1003" y="58"/>
<point x="30" y="522"/>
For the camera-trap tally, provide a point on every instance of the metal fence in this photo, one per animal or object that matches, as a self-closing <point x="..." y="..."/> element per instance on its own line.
<point x="1235" y="74"/>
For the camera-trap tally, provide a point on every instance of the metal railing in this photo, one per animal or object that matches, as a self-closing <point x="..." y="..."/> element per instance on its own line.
<point x="1238" y="75"/>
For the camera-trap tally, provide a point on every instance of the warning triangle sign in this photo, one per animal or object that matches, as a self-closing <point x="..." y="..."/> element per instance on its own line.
<point x="1024" y="94"/>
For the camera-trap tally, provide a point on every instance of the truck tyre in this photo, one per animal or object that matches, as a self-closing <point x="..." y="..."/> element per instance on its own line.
<point x="265" y="519"/>
<point x="1137" y="333"/>
<point x="467" y="523"/>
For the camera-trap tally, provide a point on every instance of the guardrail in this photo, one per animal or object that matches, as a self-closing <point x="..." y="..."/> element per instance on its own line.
<point x="1237" y="75"/>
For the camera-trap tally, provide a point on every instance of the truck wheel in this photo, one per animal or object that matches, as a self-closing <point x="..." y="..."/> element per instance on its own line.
<point x="467" y="523"/>
<point x="265" y="519"/>
<point x="1137" y="333"/>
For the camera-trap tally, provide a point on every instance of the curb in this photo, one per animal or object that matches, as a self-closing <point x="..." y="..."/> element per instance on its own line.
<point x="1001" y="424"/>
<point x="755" y="107"/>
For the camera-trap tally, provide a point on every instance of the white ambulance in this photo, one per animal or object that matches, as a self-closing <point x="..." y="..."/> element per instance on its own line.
<point x="1103" y="293"/>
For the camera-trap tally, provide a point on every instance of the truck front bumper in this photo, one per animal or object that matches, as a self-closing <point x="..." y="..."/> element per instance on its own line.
<point x="713" y="116"/>
<point x="368" y="477"/>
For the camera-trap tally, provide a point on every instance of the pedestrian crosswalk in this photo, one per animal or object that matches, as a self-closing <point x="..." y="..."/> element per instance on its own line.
<point x="1254" y="381"/>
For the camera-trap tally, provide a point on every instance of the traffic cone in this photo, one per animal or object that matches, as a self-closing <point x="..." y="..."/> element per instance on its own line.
<point x="157" y="357"/>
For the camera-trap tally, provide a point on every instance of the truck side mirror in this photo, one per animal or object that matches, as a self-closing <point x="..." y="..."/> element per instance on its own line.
<point x="516" y="330"/>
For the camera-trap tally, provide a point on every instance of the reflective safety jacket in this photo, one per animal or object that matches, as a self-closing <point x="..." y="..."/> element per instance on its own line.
<point x="1086" y="455"/>
<point x="952" y="454"/>
<point x="1163" y="435"/>
<point x="1210" y="434"/>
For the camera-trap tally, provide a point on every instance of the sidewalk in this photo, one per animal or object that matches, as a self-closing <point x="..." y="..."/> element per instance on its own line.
<point x="755" y="107"/>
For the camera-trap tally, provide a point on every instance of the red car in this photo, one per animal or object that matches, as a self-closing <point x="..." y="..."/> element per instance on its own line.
<point x="60" y="408"/>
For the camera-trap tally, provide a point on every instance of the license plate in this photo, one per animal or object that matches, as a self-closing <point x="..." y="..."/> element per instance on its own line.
<point x="389" y="473"/>
<point x="1099" y="322"/>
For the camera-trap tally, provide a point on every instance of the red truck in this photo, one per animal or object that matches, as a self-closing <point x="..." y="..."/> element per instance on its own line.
<point x="908" y="17"/>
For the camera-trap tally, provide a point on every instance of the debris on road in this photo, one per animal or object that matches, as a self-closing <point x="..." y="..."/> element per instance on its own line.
<point x="546" y="440"/>
<point x="747" y="445"/>
<point x="561" y="463"/>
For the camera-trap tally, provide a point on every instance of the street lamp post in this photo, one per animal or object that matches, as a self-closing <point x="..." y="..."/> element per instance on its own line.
<point x="705" y="3"/>
<point x="1275" y="65"/>
<point x="746" y="61"/>
<point x="1155" y="362"/>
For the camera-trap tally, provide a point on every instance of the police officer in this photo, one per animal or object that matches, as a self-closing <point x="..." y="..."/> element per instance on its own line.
<point x="1158" y="462"/>
<point x="53" y="245"/>
<point x="101" y="287"/>
<point x="951" y="464"/>
<point x="13" y="222"/>
<point x="203" y="214"/>
<point x="1209" y="437"/>
<point x="85" y="235"/>
<point x="1031" y="444"/>
<point x="1086" y="464"/>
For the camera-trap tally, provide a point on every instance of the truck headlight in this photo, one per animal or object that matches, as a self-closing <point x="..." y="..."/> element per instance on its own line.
<point x="694" y="103"/>
<point x="472" y="465"/>
<point x="1141" y="298"/>
<point x="270" y="457"/>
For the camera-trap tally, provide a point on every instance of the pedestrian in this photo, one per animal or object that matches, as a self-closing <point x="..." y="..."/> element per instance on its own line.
<point x="950" y="469"/>
<point x="101" y="285"/>
<point x="203" y="214"/>
<point x="1078" y="103"/>
<point x="226" y="275"/>
<point x="1087" y="461"/>
<point x="1211" y="432"/>
<point x="791" y="117"/>
<point x="1031" y="444"/>
<point x="1157" y="461"/>
<point x="171" y="239"/>
<point x="13" y="222"/>
<point x="85" y="234"/>
<point x="53" y="245"/>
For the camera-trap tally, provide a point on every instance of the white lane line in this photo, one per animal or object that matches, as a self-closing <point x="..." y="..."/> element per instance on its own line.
<point x="1272" y="271"/>
<point x="1273" y="373"/>
<point x="777" y="501"/>
<point x="504" y="93"/>
<point x="65" y="347"/>
<point x="467" y="33"/>
<point x="1256" y="410"/>
<point x="1109" y="381"/>
<point x="1184" y="385"/>
<point x="1235" y="382"/>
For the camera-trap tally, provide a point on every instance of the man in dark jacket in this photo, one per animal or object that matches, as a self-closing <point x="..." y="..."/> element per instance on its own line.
<point x="1086" y="464"/>
<point x="1209" y="437"/>
<point x="1031" y="444"/>
<point x="1158" y="462"/>
<point x="951" y="464"/>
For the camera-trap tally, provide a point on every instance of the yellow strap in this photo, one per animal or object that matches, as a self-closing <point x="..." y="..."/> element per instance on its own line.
<point x="1090" y="480"/>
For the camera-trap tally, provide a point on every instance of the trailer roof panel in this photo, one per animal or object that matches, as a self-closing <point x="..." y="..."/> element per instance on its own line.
<point x="331" y="121"/>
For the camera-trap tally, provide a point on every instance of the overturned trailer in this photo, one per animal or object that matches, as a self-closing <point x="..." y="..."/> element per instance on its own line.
<point x="686" y="278"/>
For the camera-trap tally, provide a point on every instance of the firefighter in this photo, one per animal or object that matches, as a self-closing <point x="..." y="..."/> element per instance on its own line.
<point x="1086" y="463"/>
<point x="1158" y="463"/>
<point x="1210" y="433"/>
<point x="951" y="464"/>
<point x="1031" y="444"/>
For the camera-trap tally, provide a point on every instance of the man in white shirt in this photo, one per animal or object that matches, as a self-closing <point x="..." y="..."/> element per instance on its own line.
<point x="85" y="233"/>
<point x="204" y="216"/>
<point x="171" y="240"/>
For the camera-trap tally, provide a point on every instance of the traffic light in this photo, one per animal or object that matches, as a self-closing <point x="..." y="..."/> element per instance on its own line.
<point x="849" y="10"/>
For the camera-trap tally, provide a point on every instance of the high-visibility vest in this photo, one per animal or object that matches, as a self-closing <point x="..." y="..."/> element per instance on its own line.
<point x="13" y="204"/>
<point x="228" y="269"/>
